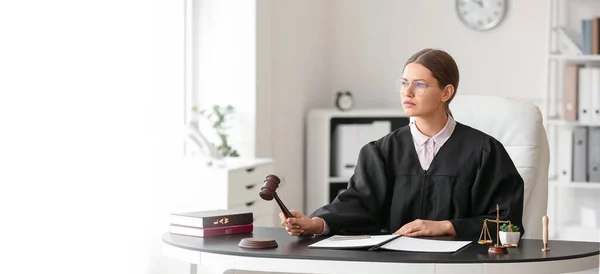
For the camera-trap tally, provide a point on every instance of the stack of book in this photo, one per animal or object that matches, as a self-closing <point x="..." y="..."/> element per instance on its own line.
<point x="211" y="223"/>
<point x="590" y="38"/>
<point x="584" y="41"/>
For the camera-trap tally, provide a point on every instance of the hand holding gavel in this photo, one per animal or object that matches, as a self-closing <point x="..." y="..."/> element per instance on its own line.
<point x="295" y="222"/>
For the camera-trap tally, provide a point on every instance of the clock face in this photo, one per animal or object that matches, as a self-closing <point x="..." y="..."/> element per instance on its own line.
<point x="481" y="14"/>
<point x="345" y="102"/>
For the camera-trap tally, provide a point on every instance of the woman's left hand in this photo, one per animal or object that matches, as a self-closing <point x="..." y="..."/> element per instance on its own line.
<point x="418" y="228"/>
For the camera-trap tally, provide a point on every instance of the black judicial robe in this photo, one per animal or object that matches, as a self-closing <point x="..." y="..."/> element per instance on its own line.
<point x="470" y="174"/>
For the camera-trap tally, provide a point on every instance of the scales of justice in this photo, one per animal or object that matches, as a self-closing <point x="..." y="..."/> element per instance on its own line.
<point x="485" y="238"/>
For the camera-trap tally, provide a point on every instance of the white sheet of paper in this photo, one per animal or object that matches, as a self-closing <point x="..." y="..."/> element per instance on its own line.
<point x="424" y="245"/>
<point x="354" y="243"/>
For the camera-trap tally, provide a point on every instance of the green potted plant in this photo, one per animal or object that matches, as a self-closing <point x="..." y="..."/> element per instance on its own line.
<point x="218" y="117"/>
<point x="509" y="235"/>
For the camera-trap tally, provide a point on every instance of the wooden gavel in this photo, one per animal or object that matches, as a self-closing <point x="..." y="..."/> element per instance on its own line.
<point x="267" y="192"/>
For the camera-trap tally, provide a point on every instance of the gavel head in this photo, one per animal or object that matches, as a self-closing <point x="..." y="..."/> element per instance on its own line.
<point x="269" y="187"/>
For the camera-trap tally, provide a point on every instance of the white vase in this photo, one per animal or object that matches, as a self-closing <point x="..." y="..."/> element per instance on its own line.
<point x="510" y="238"/>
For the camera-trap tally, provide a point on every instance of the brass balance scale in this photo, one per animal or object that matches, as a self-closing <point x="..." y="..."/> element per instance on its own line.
<point x="486" y="238"/>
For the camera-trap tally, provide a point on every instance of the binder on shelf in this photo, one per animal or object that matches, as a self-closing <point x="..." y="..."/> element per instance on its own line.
<point x="580" y="147"/>
<point x="595" y="94"/>
<point x="565" y="154"/>
<point x="349" y="140"/>
<point x="346" y="149"/>
<point x="570" y="84"/>
<point x="380" y="129"/>
<point x="594" y="154"/>
<point x="586" y="36"/>
<point x="584" y="94"/>
<point x="595" y="36"/>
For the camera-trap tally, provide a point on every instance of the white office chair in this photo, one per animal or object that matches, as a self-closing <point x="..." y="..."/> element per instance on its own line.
<point x="518" y="126"/>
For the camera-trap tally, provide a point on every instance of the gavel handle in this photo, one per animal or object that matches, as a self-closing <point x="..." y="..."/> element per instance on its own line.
<point x="284" y="209"/>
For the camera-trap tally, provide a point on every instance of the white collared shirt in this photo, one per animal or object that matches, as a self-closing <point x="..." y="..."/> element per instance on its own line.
<point x="427" y="147"/>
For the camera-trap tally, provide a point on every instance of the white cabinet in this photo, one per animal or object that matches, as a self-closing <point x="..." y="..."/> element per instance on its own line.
<point x="236" y="186"/>
<point x="323" y="179"/>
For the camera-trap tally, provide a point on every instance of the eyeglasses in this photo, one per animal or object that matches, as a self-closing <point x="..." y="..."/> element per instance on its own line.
<point x="419" y="86"/>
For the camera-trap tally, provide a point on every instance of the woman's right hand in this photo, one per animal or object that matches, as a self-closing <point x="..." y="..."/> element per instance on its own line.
<point x="301" y="224"/>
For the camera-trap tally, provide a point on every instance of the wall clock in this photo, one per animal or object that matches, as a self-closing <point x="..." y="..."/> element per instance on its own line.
<point x="481" y="14"/>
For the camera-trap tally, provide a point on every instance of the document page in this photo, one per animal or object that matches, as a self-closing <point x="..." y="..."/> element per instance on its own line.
<point x="424" y="245"/>
<point x="343" y="242"/>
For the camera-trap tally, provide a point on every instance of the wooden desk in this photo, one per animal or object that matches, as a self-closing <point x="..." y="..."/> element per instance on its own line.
<point x="220" y="254"/>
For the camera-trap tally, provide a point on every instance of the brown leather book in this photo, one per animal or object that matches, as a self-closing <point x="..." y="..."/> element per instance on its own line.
<point x="212" y="218"/>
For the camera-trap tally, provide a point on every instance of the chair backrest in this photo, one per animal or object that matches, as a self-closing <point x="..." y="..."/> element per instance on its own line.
<point x="519" y="127"/>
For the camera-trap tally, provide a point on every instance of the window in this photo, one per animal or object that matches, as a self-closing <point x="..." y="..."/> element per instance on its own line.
<point x="220" y="66"/>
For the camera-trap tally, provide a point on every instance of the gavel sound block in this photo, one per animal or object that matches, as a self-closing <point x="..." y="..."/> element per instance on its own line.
<point x="267" y="192"/>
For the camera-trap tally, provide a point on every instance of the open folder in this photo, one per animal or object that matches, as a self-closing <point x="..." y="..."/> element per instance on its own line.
<point x="390" y="242"/>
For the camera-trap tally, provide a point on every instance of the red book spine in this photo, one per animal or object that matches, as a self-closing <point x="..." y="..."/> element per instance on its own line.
<point x="225" y="230"/>
<point x="209" y="232"/>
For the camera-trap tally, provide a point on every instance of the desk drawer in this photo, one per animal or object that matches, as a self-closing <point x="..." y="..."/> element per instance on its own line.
<point x="239" y="194"/>
<point x="250" y="176"/>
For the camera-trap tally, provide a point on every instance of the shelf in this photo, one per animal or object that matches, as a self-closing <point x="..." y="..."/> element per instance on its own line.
<point x="339" y="179"/>
<point x="585" y="185"/>
<point x="575" y="58"/>
<point x="558" y="122"/>
<point x="359" y="113"/>
<point x="577" y="226"/>
<point x="323" y="179"/>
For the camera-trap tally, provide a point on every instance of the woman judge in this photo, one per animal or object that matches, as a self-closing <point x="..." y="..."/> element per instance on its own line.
<point x="433" y="177"/>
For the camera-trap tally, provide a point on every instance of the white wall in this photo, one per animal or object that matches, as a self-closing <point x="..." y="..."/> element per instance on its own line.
<point x="264" y="103"/>
<point x="371" y="42"/>
<point x="300" y="73"/>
